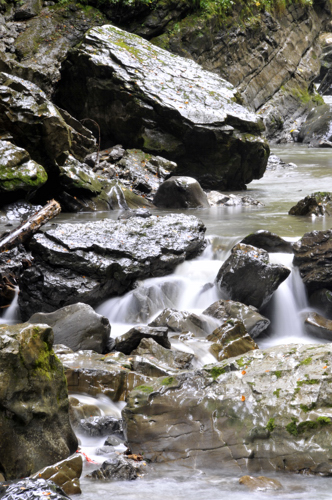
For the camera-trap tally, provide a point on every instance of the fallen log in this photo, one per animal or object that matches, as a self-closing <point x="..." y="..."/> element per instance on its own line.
<point x="30" y="226"/>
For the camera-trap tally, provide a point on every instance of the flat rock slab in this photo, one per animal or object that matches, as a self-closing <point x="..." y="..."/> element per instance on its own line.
<point x="265" y="410"/>
<point x="143" y="96"/>
<point x="91" y="262"/>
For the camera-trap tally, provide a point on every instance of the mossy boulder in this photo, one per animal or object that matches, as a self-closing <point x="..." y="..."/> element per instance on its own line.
<point x="34" y="420"/>
<point x="143" y="96"/>
<point x="319" y="203"/>
<point x="17" y="171"/>
<point x="265" y="410"/>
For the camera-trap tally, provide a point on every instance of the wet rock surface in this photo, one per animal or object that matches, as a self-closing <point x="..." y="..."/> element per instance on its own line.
<point x="231" y="200"/>
<point x="312" y="254"/>
<point x="169" y="359"/>
<point x="316" y="130"/>
<point x="102" y="426"/>
<point x="182" y="321"/>
<point x="89" y="262"/>
<point x="260" y="483"/>
<point x="129" y="341"/>
<point x="268" y="241"/>
<point x="186" y="111"/>
<point x="34" y="417"/>
<point x="267" y="409"/>
<point x="318" y="326"/>
<point x="37" y="125"/>
<point x="247" y="277"/>
<point x="78" y="327"/>
<point x="314" y="204"/>
<point x="230" y="339"/>
<point x="224" y="310"/>
<point x="321" y="301"/>
<point x="65" y="474"/>
<point x="119" y="468"/>
<point x="12" y="263"/>
<point x="29" y="489"/>
<point x="180" y="192"/>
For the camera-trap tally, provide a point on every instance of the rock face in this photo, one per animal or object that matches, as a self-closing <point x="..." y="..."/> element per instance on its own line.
<point x="78" y="327"/>
<point x="267" y="410"/>
<point x="246" y="276"/>
<point x="313" y="257"/>
<point x="316" y="130"/>
<point x="37" y="125"/>
<point x="180" y="192"/>
<point x="143" y="96"/>
<point x="34" y="421"/>
<point x="313" y="204"/>
<point x="224" y="310"/>
<point x="89" y="262"/>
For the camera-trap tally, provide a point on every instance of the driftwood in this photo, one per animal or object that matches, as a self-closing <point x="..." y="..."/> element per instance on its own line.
<point x="30" y="226"/>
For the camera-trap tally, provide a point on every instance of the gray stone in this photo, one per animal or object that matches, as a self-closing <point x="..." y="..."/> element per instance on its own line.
<point x="28" y="489"/>
<point x="182" y="321"/>
<point x="78" y="327"/>
<point x="318" y="326"/>
<point x="90" y="262"/>
<point x="185" y="114"/>
<point x="268" y="241"/>
<point x="180" y="192"/>
<point x="129" y="341"/>
<point x="119" y="469"/>
<point x="319" y="203"/>
<point x="248" y="277"/>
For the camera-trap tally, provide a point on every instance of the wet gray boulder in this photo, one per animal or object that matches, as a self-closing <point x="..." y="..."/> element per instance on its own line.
<point x="318" y="326"/>
<point x="77" y="326"/>
<point x="319" y="203"/>
<point x="248" y="277"/>
<point x="27" y="9"/>
<point x="316" y="130"/>
<point x="36" y="125"/>
<point x="143" y="96"/>
<point x="313" y="256"/>
<point x="34" y="419"/>
<point x="268" y="241"/>
<point x="321" y="301"/>
<point x="182" y="321"/>
<point x="29" y="489"/>
<point x="171" y="359"/>
<point x="101" y="426"/>
<point x="119" y="469"/>
<point x="180" y="192"/>
<point x="65" y="474"/>
<point x="18" y="172"/>
<point x="224" y="310"/>
<point x="264" y="410"/>
<point x="129" y="341"/>
<point x="230" y="339"/>
<point x="231" y="200"/>
<point x="91" y="262"/>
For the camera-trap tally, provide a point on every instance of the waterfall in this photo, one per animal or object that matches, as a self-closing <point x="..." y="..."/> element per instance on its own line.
<point x="11" y="314"/>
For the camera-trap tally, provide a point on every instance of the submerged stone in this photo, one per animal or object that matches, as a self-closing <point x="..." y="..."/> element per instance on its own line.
<point x="143" y="96"/>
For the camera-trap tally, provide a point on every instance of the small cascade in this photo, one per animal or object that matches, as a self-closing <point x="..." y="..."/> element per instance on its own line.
<point x="11" y="314"/>
<point x="287" y="305"/>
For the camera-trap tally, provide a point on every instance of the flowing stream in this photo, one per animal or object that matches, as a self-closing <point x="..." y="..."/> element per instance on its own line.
<point x="191" y="288"/>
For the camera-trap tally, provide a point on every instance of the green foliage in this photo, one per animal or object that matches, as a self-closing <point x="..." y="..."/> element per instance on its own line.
<point x="306" y="361"/>
<point x="278" y="373"/>
<point x="296" y="429"/>
<point x="306" y="408"/>
<point x="216" y="371"/>
<point x="276" y="392"/>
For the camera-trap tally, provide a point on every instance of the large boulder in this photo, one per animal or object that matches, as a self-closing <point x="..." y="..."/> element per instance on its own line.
<point x="34" y="420"/>
<point x="248" y="277"/>
<point x="313" y="256"/>
<point x="129" y="341"/>
<point x="90" y="262"/>
<point x="145" y="97"/>
<point x="65" y="474"/>
<point x="37" y="125"/>
<point x="318" y="326"/>
<point x="265" y="410"/>
<point x="182" y="321"/>
<point x="180" y="192"/>
<point x="230" y="339"/>
<point x="270" y="242"/>
<point x="78" y="327"/>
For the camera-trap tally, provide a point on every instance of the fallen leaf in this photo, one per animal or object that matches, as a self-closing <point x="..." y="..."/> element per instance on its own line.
<point x="243" y="398"/>
<point x="243" y="372"/>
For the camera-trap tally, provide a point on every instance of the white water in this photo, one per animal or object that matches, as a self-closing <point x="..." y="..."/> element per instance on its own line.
<point x="11" y="314"/>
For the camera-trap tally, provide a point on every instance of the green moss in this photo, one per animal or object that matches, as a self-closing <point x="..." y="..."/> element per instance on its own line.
<point x="276" y="392"/>
<point x="308" y="425"/>
<point x="144" y="388"/>
<point x="292" y="427"/>
<point x="306" y="408"/>
<point x="312" y="381"/>
<point x="167" y="381"/>
<point x="270" y="426"/>
<point x="278" y="374"/>
<point x="242" y="362"/>
<point x="216" y="371"/>
<point x="323" y="420"/>
<point x="306" y="361"/>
